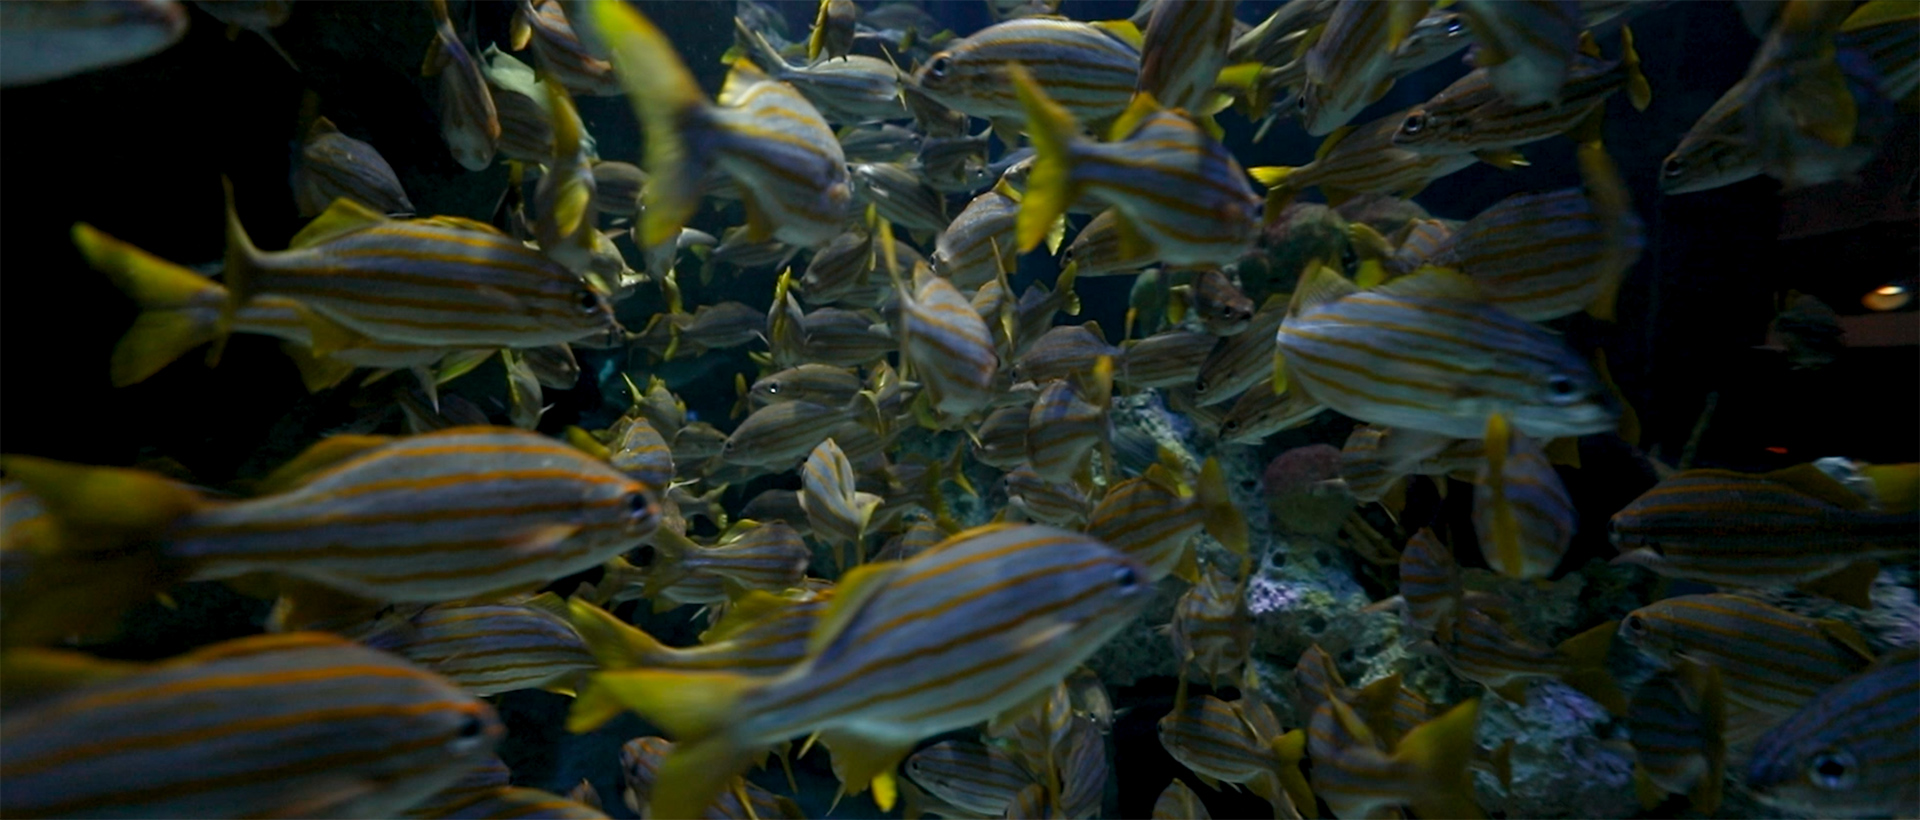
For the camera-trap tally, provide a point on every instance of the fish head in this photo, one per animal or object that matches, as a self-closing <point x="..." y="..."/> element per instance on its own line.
<point x="589" y="313"/>
<point x="1707" y="163"/>
<point x="452" y="734"/>
<point x="1432" y="127"/>
<point x="1646" y="630"/>
<point x="941" y="78"/>
<point x="1806" y="769"/>
<point x="1561" y="396"/>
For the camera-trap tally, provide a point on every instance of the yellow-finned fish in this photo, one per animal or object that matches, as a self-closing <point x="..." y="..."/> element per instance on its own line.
<point x="749" y="555"/>
<point x="566" y="226"/>
<point x="1851" y="751"/>
<point x="468" y="121"/>
<point x="762" y="132"/>
<point x="1212" y="738"/>
<point x="1470" y="115"/>
<point x="979" y="244"/>
<point x="1358" y="160"/>
<point x="838" y="512"/>
<point x="852" y="89"/>
<point x="1521" y="511"/>
<point x="1260" y="412"/>
<point x="1173" y="188"/>
<point x="298" y="724"/>
<point x="1067" y="423"/>
<point x="333" y="165"/>
<point x="1178" y="802"/>
<point x="947" y="345"/>
<point x="1427" y="769"/>
<point x="761" y="634"/>
<point x="1488" y="649"/>
<point x="833" y="30"/>
<point x="968" y="775"/>
<point x="1211" y="630"/>
<point x="1153" y="516"/>
<point x="1541" y="256"/>
<point x="958" y="634"/>
<point x="640" y="764"/>
<point x="1347" y="67"/>
<point x="1182" y="50"/>
<point x="1096" y="250"/>
<point x="1062" y="504"/>
<point x="1525" y="45"/>
<point x="557" y="47"/>
<point x="48" y="41"/>
<point x="1677" y="724"/>
<point x="1170" y="358"/>
<point x="492" y="648"/>
<point x="1093" y="73"/>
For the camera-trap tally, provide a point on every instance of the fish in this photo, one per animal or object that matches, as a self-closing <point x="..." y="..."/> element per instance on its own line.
<point x="558" y="49"/>
<point x="641" y="452"/>
<point x="47" y="42"/>
<point x="1542" y="256"/>
<point x="762" y="133"/>
<point x="1346" y="68"/>
<point x="971" y="776"/>
<point x="845" y="271"/>
<point x="442" y="282"/>
<point x="1062" y="504"/>
<point x="978" y="244"/>
<point x="488" y="649"/>
<point x="640" y="762"/>
<point x="1093" y="74"/>
<point x="520" y="102"/>
<point x="1717" y="151"/>
<point x="563" y="197"/>
<point x="616" y="187"/>
<point x="846" y="338"/>
<point x="1485" y="647"/>
<point x="1097" y="250"/>
<point x="947" y="344"/>
<point x="490" y="775"/>
<point x="1427" y="769"/>
<point x="1431" y="593"/>
<point x="1067" y="422"/>
<point x="999" y="613"/>
<point x="956" y="164"/>
<point x="1212" y="631"/>
<point x="1448" y="362"/>
<point x="1525" y="46"/>
<point x="1178" y="802"/>
<point x="1359" y="160"/>
<point x="1772" y="662"/>
<point x="333" y="165"/>
<point x="1152" y="517"/>
<point x="1471" y="115"/>
<point x="1521" y="511"/>
<point x="762" y="634"/>
<point x="851" y="89"/>
<point x="1809" y="104"/>
<point x="1062" y="352"/>
<point x="1170" y="358"/>
<point x="1884" y="32"/>
<point x="885" y="142"/>
<point x="1211" y="738"/>
<point x="463" y="512"/>
<point x="1183" y="48"/>
<point x="833" y="30"/>
<point x="1222" y="309"/>
<point x="816" y="383"/>
<point x="468" y="120"/>
<point x="1791" y="526"/>
<point x="1151" y="152"/>
<point x="1848" y="752"/>
<point x="900" y="196"/>
<point x="779" y="436"/>
<point x="1240" y="361"/>
<point x="519" y="801"/>
<point x="1677" y="723"/>
<point x="839" y="514"/>
<point x="749" y="555"/>
<point x="303" y="722"/>
<point x="1260" y="412"/>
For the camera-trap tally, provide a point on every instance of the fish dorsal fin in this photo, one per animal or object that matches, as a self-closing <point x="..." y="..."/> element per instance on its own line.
<point x="1159" y="475"/>
<point x="461" y="223"/>
<point x="853" y="591"/>
<point x="1808" y="479"/>
<point x="1321" y="286"/>
<point x="744" y="75"/>
<point x="1434" y="283"/>
<point x="1123" y="30"/>
<point x="1588" y="46"/>
<point x="258" y="644"/>
<point x="1844" y="634"/>
<point x="316" y="459"/>
<point x="745" y="611"/>
<point x="548" y="602"/>
<point x="1879" y="12"/>
<point x="1333" y="139"/>
<point x="321" y="126"/>
<point x="343" y="217"/>
<point x="1143" y="106"/>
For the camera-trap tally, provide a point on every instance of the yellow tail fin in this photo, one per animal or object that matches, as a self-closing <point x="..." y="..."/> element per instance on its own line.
<point x="664" y="96"/>
<point x="1050" y="187"/>
<point x="695" y="708"/>
<point x="1439" y="752"/>
<point x="169" y="324"/>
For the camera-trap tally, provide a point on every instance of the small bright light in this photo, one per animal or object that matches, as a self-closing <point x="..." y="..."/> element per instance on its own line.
<point x="1887" y="297"/>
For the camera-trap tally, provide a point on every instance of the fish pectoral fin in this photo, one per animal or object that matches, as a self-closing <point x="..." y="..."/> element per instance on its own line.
<point x="329" y="336"/>
<point x="1439" y="751"/>
<point x="860" y="761"/>
<point x="304" y="604"/>
<point x="32" y="673"/>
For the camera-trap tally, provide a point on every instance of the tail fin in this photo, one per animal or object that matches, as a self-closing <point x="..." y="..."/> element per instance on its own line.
<point x="664" y="96"/>
<point x="1439" y="752"/>
<point x="241" y="267"/>
<point x="1050" y="186"/>
<point x="177" y="307"/>
<point x="1224" y="521"/>
<point x="1504" y="526"/>
<point x="615" y="644"/>
<point x="694" y="707"/>
<point x="1587" y="657"/>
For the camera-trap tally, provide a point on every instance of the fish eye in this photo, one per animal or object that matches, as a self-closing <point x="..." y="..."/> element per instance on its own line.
<point x="471" y="727"/>
<point x="1831" y="769"/>
<point x="1414" y="123"/>
<point x="1635" y="624"/>
<point x="773" y="388"/>
<point x="1231" y="425"/>
<point x="1673" y="167"/>
<point x="587" y="300"/>
<point x="1200" y="384"/>
<point x="640" y="505"/>
<point x="1302" y="102"/>
<point x="1454" y="27"/>
<point x="1126" y="578"/>
<point x="1561" y="388"/>
<point x="938" y="68"/>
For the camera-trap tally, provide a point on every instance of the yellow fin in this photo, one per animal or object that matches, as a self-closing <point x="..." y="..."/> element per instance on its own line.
<point x="1439" y="752"/>
<point x="663" y="93"/>
<point x="1587" y="653"/>
<point x="1333" y="139"/>
<point x="860" y="760"/>
<point x="1123" y="30"/>
<point x="1434" y="283"/>
<point x="32" y="673"/>
<point x="343" y="217"/>
<point x="1142" y="106"/>
<point x="1320" y="286"/>
<point x="1639" y="93"/>
<point x="615" y="644"/>
<point x="1844" y="634"/>
<point x="1224" y="521"/>
<point x="1896" y="485"/>
<point x="1879" y="12"/>
<point x="850" y="594"/>
<point x="1811" y="481"/>
<point x="1050" y="188"/>
<point x="586" y="443"/>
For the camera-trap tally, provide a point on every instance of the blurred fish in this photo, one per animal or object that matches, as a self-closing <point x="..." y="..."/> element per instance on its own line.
<point x="947" y="345"/>
<point x="1001" y="438"/>
<point x="1152" y="517"/>
<point x="817" y="383"/>
<point x="955" y="164"/>
<point x="1487" y="648"/>
<point x="1184" y="46"/>
<point x="1525" y="46"/>
<point x="1521" y="511"/>
<point x="554" y="365"/>
<point x="1092" y="74"/>
<point x="544" y="25"/>
<point x="1850" y="752"/>
<point x="518" y="801"/>
<point x="838" y="513"/>
<point x="47" y="41"/>
<point x="490" y="775"/>
<point x="978" y="244"/>
<point x="1171" y="358"/>
<point x="492" y="648"/>
<point x="1677" y="723"/>
<point x="1471" y="115"/>
<point x="1211" y="738"/>
<point x="833" y="29"/>
<point x="852" y="89"/>
<point x="917" y="538"/>
<point x="1240" y="361"/>
<point x="468" y="120"/>
<point x="1360" y="160"/>
<point x="1808" y="330"/>
<point x="1427" y="352"/>
<point x="643" y="453"/>
<point x="761" y="634"/>
<point x="1260" y="412"/>
<point x="1717" y="151"/>
<point x="563" y="198"/>
<point x="1540" y="256"/>
<point x="1212" y="221"/>
<point x="779" y="436"/>
<point x="520" y="102"/>
<point x="616" y="188"/>
<point x="1013" y="607"/>
<point x="1884" y="31"/>
<point x="1346" y="68"/>
<point x="846" y="338"/>
<point x="640" y="763"/>
<point x="1096" y="249"/>
<point x="885" y="142"/>
<point x="1177" y="802"/>
<point x="1772" y="662"/>
<point x="1067" y="423"/>
<point x="1222" y="308"/>
<point x="1062" y="352"/>
<point x="900" y="196"/>
<point x="844" y="272"/>
<point x="970" y="776"/>
<point x="333" y="165"/>
<point x="1791" y="526"/>
<point x="264" y="725"/>
<point x="1808" y="103"/>
<point x="749" y="555"/>
<point x="1062" y="504"/>
<point x="762" y="133"/>
<point x="1211" y="630"/>
<point x="1430" y="587"/>
<point x="1427" y="770"/>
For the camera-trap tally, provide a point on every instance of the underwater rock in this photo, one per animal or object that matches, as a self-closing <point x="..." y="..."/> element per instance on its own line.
<point x="1561" y="765"/>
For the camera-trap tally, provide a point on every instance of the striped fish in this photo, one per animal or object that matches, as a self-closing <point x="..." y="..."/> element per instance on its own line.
<point x="750" y="555"/>
<point x="1212" y="219"/>
<point x="1281" y="32"/>
<point x="1066" y="424"/>
<point x="1521" y="511"/>
<point x="643" y="453"/>
<point x="518" y="801"/>
<point x="520" y="101"/>
<point x="492" y="648"/>
<point x="1240" y="361"/>
<point x="1170" y="358"/>
<point x="1789" y="526"/>
<point x="761" y="634"/>
<point x="762" y="133"/>
<point x="1183" y="48"/>
<point x="1082" y="769"/>
<point x="1177" y="802"/>
<point x="1852" y="751"/>
<point x="1471" y="115"/>
<point x="1212" y="631"/>
<point x="616" y="188"/>
<point x="1525" y="45"/>
<point x="1153" y="516"/>
<point x="1717" y="151"/>
<point x="846" y="272"/>
<point x="845" y="338"/>
<point x="778" y="505"/>
<point x="1541" y="256"/>
<point x="1061" y="504"/>
<point x="1427" y="770"/>
<point x="853" y="89"/>
<point x="969" y="775"/>
<point x="1771" y="661"/>
<point x="778" y="436"/>
<point x="958" y="634"/>
<point x="640" y="763"/>
<point x="1062" y="352"/>
<point x="947" y="345"/>
<point x="1488" y="649"/>
<point x="1430" y="588"/>
<point x="917" y="538"/>
<point x="838" y="513"/>
<point x="1260" y="412"/>
<point x="1362" y="160"/>
<point x="1886" y="33"/>
<point x="491" y="774"/>
<point x="1677" y="723"/>
<point x="1369" y="472"/>
<point x="443" y="281"/>
<point x="1001" y="439"/>
<point x="1347" y="66"/>
<point x="1038" y="306"/>
<point x="1223" y="310"/>
<point x="566" y="227"/>
<point x="333" y="165"/>
<point x="1428" y="353"/>
<point x="899" y="195"/>
<point x="543" y="24"/>
<point x="1093" y="73"/>
<point x="257" y="726"/>
<point x="979" y="244"/>
<point x="833" y="30"/>
<point x="696" y="444"/>
<point x="1211" y="738"/>
<point x="955" y="164"/>
<point x="1097" y="251"/>
<point x="817" y="383"/>
<point x="468" y="120"/>
<point x="882" y="143"/>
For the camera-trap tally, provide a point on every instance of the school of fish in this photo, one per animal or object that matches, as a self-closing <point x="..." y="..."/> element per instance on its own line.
<point x="892" y="174"/>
